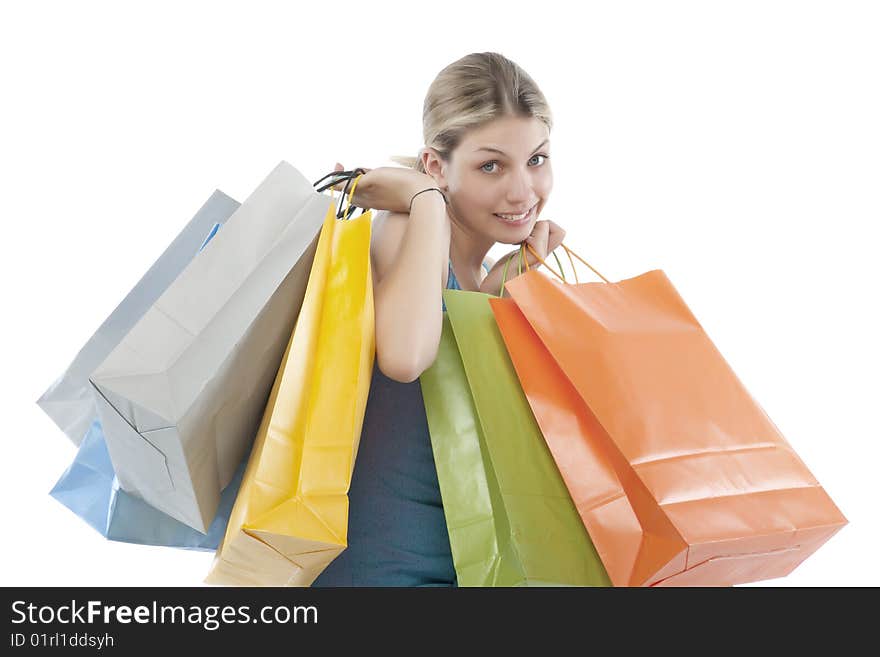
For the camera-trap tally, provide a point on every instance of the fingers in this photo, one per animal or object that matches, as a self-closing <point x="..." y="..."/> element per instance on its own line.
<point x="554" y="227"/>
<point x="545" y="238"/>
<point x="539" y="240"/>
<point x="539" y="235"/>
<point x="338" y="167"/>
<point x="557" y="236"/>
<point x="339" y="186"/>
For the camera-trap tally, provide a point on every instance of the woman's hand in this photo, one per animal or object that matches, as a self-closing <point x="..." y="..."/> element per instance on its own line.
<point x="546" y="236"/>
<point x="386" y="188"/>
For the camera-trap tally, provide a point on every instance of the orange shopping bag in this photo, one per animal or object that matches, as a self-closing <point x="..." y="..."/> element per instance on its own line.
<point x="678" y="474"/>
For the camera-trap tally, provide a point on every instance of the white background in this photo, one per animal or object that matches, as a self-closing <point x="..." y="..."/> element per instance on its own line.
<point x="735" y="145"/>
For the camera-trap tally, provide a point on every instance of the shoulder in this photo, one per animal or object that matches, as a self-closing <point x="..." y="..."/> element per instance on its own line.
<point x="387" y="233"/>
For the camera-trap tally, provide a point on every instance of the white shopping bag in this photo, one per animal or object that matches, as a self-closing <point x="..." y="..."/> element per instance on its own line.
<point x="69" y="401"/>
<point x="180" y="398"/>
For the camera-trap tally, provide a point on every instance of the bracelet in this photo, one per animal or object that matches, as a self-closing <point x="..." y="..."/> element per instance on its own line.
<point x="427" y="190"/>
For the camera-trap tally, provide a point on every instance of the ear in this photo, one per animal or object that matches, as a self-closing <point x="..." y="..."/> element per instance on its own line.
<point x="435" y="166"/>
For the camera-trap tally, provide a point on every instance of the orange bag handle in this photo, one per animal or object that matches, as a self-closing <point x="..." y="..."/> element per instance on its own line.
<point x="522" y="259"/>
<point x="560" y="274"/>
<point x="570" y="253"/>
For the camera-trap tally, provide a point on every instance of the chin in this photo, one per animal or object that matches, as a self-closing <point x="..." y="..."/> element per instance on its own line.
<point x="516" y="237"/>
<point x="516" y="241"/>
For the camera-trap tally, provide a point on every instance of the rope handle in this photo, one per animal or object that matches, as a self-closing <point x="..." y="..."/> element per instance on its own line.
<point x="560" y="274"/>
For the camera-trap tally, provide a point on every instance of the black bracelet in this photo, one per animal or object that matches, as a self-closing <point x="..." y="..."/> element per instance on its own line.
<point x="427" y="190"/>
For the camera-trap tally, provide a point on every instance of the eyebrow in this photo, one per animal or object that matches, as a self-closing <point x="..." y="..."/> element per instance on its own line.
<point x="495" y="150"/>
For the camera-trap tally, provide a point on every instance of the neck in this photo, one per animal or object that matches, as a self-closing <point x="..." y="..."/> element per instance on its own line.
<point x="467" y="250"/>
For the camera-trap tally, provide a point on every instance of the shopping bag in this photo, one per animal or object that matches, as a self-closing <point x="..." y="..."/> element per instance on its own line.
<point x="679" y="475"/>
<point x="180" y="397"/>
<point x="91" y="490"/>
<point x="290" y="519"/>
<point x="511" y="520"/>
<point x="69" y="400"/>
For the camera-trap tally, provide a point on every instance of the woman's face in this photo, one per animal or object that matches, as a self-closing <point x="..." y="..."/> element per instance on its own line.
<point x="502" y="168"/>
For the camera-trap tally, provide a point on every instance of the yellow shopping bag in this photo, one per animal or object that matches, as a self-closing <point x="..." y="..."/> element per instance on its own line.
<point x="290" y="519"/>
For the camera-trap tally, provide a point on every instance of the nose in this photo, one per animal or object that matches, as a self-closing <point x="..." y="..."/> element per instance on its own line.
<point x="519" y="191"/>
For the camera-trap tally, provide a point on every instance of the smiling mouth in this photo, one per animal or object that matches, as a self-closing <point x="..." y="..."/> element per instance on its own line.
<point x="517" y="219"/>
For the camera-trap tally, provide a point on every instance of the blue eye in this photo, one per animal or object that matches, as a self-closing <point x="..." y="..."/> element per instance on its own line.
<point x="495" y="162"/>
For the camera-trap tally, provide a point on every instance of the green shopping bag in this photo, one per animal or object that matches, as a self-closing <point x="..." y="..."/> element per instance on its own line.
<point x="510" y="517"/>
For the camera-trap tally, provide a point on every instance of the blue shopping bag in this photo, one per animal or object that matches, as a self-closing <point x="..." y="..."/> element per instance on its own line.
<point x="90" y="489"/>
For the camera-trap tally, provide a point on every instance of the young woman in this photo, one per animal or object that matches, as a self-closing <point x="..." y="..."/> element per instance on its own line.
<point x="483" y="177"/>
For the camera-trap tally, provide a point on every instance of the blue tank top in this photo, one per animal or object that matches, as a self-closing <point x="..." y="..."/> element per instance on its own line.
<point x="397" y="533"/>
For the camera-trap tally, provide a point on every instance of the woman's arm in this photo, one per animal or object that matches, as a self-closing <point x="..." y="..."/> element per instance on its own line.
<point x="410" y="255"/>
<point x="491" y="283"/>
<point x="409" y="249"/>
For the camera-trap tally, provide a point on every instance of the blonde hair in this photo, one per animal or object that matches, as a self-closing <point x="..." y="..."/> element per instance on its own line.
<point x="469" y="93"/>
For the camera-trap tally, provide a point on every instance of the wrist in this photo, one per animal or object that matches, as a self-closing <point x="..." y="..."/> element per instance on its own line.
<point x="426" y="197"/>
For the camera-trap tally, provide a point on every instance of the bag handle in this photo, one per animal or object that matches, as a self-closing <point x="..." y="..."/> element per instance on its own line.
<point x="560" y="274"/>
<point x="337" y="177"/>
<point x="570" y="253"/>
<point x="349" y="208"/>
<point x="522" y="260"/>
